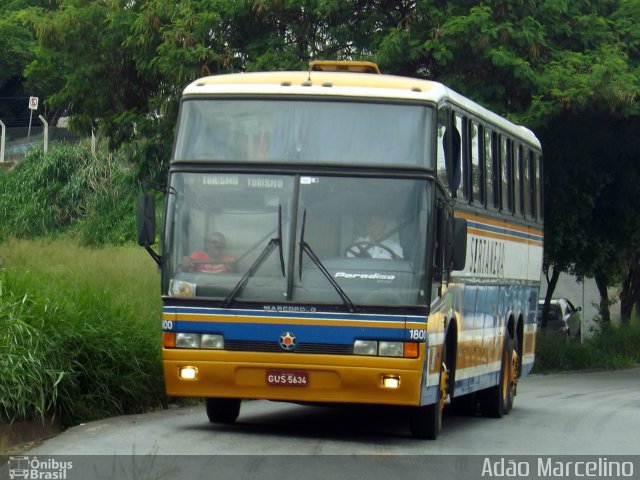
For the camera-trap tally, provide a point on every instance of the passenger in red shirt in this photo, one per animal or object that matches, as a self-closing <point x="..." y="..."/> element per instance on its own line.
<point x="214" y="260"/>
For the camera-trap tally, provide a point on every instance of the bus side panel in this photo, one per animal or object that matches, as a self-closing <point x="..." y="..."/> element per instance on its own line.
<point x="440" y="313"/>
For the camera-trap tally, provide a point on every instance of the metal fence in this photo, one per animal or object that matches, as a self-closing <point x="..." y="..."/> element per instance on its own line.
<point x="17" y="141"/>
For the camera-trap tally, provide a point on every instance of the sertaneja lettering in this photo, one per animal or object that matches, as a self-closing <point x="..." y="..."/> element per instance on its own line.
<point x="487" y="257"/>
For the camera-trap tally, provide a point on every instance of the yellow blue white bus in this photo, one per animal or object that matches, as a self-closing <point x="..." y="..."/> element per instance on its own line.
<point x="337" y="235"/>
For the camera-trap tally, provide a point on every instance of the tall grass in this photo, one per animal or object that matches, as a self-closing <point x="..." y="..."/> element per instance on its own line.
<point x="611" y="346"/>
<point x="69" y="188"/>
<point x="79" y="331"/>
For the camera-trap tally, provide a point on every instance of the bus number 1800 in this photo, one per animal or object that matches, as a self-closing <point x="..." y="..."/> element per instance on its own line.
<point x="418" y="334"/>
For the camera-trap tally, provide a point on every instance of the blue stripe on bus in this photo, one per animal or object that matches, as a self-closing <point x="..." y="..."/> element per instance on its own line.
<point x="504" y="231"/>
<point x="279" y="314"/>
<point x="478" y="382"/>
<point x="335" y="335"/>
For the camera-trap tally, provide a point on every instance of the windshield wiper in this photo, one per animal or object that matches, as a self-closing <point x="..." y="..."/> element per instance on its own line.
<point x="273" y="243"/>
<point x="306" y="248"/>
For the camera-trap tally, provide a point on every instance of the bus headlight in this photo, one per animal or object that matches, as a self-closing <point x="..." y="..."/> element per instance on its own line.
<point x="180" y="288"/>
<point x="210" y="341"/>
<point x="365" y="347"/>
<point x="390" y="349"/>
<point x="207" y="341"/>
<point x="386" y="348"/>
<point x="187" y="340"/>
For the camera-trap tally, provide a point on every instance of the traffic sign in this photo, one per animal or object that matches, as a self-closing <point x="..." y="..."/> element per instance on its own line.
<point x="33" y="103"/>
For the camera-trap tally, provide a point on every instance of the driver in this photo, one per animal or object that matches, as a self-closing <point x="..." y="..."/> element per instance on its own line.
<point x="214" y="260"/>
<point x="376" y="244"/>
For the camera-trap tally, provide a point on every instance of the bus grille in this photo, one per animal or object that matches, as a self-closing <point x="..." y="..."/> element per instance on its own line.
<point x="249" y="346"/>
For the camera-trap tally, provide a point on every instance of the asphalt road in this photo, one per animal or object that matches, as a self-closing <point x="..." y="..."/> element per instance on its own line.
<point x="594" y="414"/>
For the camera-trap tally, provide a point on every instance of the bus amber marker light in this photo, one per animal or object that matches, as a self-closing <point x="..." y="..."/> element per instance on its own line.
<point x="169" y="340"/>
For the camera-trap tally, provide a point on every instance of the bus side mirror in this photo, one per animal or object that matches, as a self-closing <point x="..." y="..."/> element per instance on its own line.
<point x="146" y="219"/>
<point x="459" y="243"/>
<point x="146" y="224"/>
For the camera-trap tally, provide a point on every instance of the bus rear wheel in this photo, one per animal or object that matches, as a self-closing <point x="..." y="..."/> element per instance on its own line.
<point x="223" y="410"/>
<point x="498" y="400"/>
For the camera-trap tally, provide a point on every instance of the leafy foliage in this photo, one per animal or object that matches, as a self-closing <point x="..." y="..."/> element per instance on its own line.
<point x="66" y="188"/>
<point x="609" y="347"/>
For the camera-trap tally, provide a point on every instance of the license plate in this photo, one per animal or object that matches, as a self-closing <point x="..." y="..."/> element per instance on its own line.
<point x="287" y="378"/>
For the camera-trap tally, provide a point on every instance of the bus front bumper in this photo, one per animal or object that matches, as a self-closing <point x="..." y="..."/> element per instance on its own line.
<point x="292" y="377"/>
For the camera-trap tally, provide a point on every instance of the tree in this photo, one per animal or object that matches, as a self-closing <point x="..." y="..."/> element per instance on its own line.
<point x="567" y="69"/>
<point x="548" y="64"/>
<point x="592" y="176"/>
<point x="19" y="44"/>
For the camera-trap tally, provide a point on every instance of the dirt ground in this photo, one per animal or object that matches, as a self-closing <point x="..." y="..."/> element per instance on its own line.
<point x="20" y="436"/>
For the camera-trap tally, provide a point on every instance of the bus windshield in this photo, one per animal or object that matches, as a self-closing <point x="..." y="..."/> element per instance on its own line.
<point x="244" y="130"/>
<point x="314" y="239"/>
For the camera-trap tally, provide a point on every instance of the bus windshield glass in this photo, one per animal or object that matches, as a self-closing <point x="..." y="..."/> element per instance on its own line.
<point x="300" y="239"/>
<point x="249" y="130"/>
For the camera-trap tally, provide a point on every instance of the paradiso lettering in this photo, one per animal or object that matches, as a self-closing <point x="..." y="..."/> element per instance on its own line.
<point x="486" y="256"/>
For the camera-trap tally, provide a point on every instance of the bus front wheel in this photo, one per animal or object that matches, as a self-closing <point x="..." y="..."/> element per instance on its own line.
<point x="426" y="421"/>
<point x="223" y="410"/>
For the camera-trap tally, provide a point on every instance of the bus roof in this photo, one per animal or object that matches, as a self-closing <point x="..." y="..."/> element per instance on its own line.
<point x="348" y="84"/>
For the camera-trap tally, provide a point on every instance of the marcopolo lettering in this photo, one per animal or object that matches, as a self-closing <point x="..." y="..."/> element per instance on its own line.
<point x="288" y="308"/>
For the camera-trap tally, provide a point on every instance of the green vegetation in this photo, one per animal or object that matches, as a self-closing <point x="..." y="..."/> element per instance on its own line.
<point x="612" y="346"/>
<point x="79" y="325"/>
<point x="79" y="331"/>
<point x="69" y="190"/>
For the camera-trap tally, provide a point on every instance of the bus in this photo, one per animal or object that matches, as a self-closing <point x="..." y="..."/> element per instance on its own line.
<point x="340" y="236"/>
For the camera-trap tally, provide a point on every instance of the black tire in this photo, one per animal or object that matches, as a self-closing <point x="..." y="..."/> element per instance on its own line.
<point x="426" y="421"/>
<point x="223" y="410"/>
<point x="498" y="400"/>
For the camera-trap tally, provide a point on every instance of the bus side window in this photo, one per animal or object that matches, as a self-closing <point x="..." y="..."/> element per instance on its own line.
<point x="477" y="173"/>
<point x="441" y="166"/>
<point x="517" y="179"/>
<point x="490" y="160"/>
<point x="461" y="126"/>
<point x="506" y="159"/>
<point x="539" y="191"/>
<point x="448" y="155"/>
<point x="526" y="183"/>
<point x="531" y="167"/>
